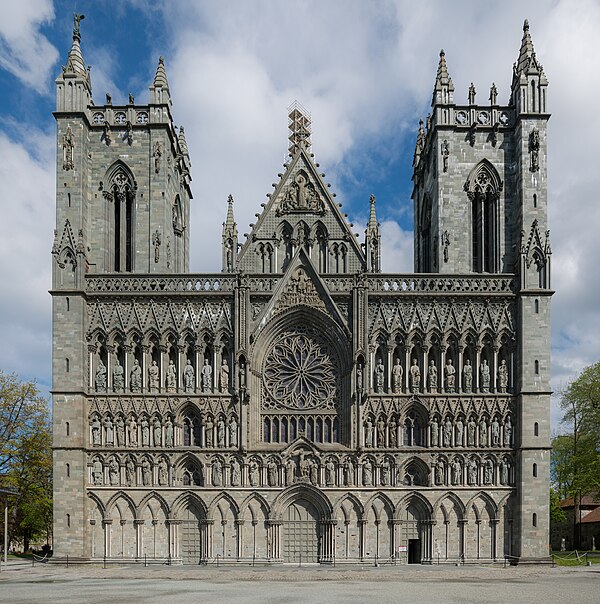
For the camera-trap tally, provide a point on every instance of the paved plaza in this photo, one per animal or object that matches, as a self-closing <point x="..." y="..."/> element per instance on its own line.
<point x="265" y="585"/>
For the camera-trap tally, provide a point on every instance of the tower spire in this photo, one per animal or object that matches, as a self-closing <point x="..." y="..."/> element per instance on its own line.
<point x="159" y="90"/>
<point x="444" y="88"/>
<point x="230" y="239"/>
<point x="373" y="240"/>
<point x="75" y="63"/>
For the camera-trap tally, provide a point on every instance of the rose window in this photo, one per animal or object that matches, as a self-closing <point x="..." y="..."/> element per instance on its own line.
<point x="300" y="373"/>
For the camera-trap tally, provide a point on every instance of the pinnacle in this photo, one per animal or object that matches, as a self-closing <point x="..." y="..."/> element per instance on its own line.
<point x="75" y="62"/>
<point x="230" y="221"/>
<point x="372" y="215"/>
<point x="160" y="78"/>
<point x="526" y="52"/>
<point x="182" y="142"/>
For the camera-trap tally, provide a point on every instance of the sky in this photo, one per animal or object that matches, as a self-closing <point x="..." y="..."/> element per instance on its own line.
<point x="365" y="72"/>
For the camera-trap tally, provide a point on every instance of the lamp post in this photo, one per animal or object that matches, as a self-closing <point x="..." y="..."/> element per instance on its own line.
<point x="6" y="491"/>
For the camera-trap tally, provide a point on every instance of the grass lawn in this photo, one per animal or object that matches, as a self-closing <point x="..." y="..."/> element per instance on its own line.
<point x="576" y="558"/>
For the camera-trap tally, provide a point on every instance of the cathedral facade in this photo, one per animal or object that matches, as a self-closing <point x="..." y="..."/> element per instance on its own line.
<point x="301" y="405"/>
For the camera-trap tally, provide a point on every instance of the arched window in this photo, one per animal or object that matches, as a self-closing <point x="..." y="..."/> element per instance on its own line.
<point x="536" y="429"/>
<point x="535" y="470"/>
<point x="483" y="189"/>
<point x="534" y="519"/>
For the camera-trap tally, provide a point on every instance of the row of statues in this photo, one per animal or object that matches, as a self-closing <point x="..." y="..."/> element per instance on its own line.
<point x="432" y="383"/>
<point x="472" y="471"/>
<point x="188" y="377"/>
<point x="130" y="473"/>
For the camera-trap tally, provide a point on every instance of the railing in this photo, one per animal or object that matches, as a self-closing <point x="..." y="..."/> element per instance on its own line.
<point x="207" y="284"/>
<point x="439" y="284"/>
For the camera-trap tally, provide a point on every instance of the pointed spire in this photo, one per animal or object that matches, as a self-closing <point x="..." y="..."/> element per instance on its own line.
<point x="160" y="78"/>
<point x="373" y="240"/>
<point x="443" y="89"/>
<point x="372" y="215"/>
<point x="229" y="221"/>
<point x="526" y="52"/>
<point x="159" y="91"/>
<point x="75" y="62"/>
<point x="229" y="239"/>
<point x="420" y="144"/>
<point x="182" y="142"/>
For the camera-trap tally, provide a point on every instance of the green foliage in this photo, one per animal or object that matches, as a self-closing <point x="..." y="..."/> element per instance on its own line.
<point x="26" y="457"/>
<point x="557" y="514"/>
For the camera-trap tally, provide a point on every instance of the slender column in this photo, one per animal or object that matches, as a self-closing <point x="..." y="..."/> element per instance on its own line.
<point x="407" y="365"/>
<point x="161" y="368"/>
<point x="179" y="368"/>
<point x="239" y="524"/>
<point x="462" y="522"/>
<point x="459" y="369"/>
<point x="394" y="524"/>
<point x="145" y="350"/>
<point x="126" y="356"/>
<point x="442" y="371"/>
<point x="494" y="370"/>
<point x="362" y="523"/>
<point x="390" y="362"/>
<point x="494" y="522"/>
<point x="91" y="352"/>
<point x="139" y="532"/>
<point x="109" y="353"/>
<point x="107" y="524"/>
<point x="197" y="350"/>
<point x="476" y="370"/>
<point x="423" y="387"/>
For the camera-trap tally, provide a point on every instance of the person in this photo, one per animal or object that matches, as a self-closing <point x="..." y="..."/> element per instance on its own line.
<point x="379" y="376"/>
<point x="415" y="376"/>
<point x="153" y="377"/>
<point x="468" y="377"/>
<point x="503" y="376"/>
<point x="368" y="433"/>
<point x="233" y="429"/>
<point x="272" y="473"/>
<point x="224" y="377"/>
<point x="163" y="472"/>
<point x="235" y="473"/>
<point x="450" y="376"/>
<point x="188" y="377"/>
<point x="507" y="431"/>
<point x="132" y="432"/>
<point x="432" y="376"/>
<point x="397" y="372"/>
<point x="101" y="377"/>
<point x="447" y="433"/>
<point x="118" y="377"/>
<point x="157" y="432"/>
<point x="435" y="429"/>
<point x="171" y="377"/>
<point x="206" y="376"/>
<point x="135" y="378"/>
<point x="97" y="472"/>
<point x="145" y="432"/>
<point x="220" y="432"/>
<point x="485" y="376"/>
<point x="348" y="472"/>
<point x="329" y="472"/>
<point x="169" y="432"/>
<point x="359" y="378"/>
<point x="96" y="427"/>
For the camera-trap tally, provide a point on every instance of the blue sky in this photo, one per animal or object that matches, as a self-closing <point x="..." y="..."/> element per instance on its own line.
<point x="364" y="70"/>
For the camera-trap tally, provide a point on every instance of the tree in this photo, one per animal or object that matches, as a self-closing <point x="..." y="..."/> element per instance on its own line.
<point x="26" y="457"/>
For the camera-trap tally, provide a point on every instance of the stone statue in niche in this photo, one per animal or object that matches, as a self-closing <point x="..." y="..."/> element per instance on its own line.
<point x="397" y="372"/>
<point x="385" y="473"/>
<point x="471" y="429"/>
<point x="132" y="429"/>
<point x="216" y="473"/>
<point x="359" y="378"/>
<point x="534" y="149"/>
<point x="381" y="432"/>
<point x="507" y="432"/>
<point x="329" y="473"/>
<point x="96" y="427"/>
<point x="439" y="472"/>
<point x="432" y="376"/>
<point x="135" y="377"/>
<point x="109" y="431"/>
<point x="379" y="376"/>
<point x="171" y="378"/>
<point x="206" y="376"/>
<point x="220" y="432"/>
<point x="445" y="148"/>
<point x="145" y="432"/>
<point x="120" y="429"/>
<point x="146" y="472"/>
<point x="367" y="474"/>
<point x="118" y="377"/>
<point x="391" y="426"/>
<point x="456" y="471"/>
<point x="253" y="473"/>
<point x="68" y="145"/>
<point x="503" y="376"/>
<point x="290" y="471"/>
<point x="450" y="376"/>
<point x="113" y="472"/>
<point x="233" y="430"/>
<point x="97" y="472"/>
<point x="242" y="376"/>
<point x="130" y="472"/>
<point x="435" y="430"/>
<point x="314" y="471"/>
<point x="447" y="433"/>
<point x="169" y="432"/>
<point x="157" y="432"/>
<point x="236" y="473"/>
<point x="157" y="154"/>
<point x="368" y="432"/>
<point x="415" y="376"/>
<point x="224" y="377"/>
<point x="188" y="377"/>
<point x="163" y="472"/>
<point x="208" y="430"/>
<point x="348" y="473"/>
<point x="459" y="433"/>
<point x="485" y="376"/>
<point x="153" y="377"/>
<point x="488" y="472"/>
<point x="468" y="377"/>
<point x="483" y="436"/>
<point x="272" y="473"/>
<point x="472" y="471"/>
<point x="495" y="432"/>
<point x="100" y="377"/>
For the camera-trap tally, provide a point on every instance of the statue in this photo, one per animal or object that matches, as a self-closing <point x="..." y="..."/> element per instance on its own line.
<point x="397" y="372"/>
<point x="495" y="432"/>
<point x="157" y="154"/>
<point x="348" y="473"/>
<point x="188" y="377"/>
<point x="472" y="471"/>
<point x="157" y="432"/>
<point x="432" y="376"/>
<point x="379" y="376"/>
<point x="216" y="473"/>
<point x="359" y="378"/>
<point x="132" y="429"/>
<point x="468" y="377"/>
<point x="96" y="427"/>
<point x="101" y="377"/>
<point x="208" y="431"/>
<point x="503" y="376"/>
<point x="459" y="433"/>
<point x="146" y="472"/>
<point x="109" y="432"/>
<point x="220" y="432"/>
<point x="392" y="434"/>
<point x="153" y="377"/>
<point x="435" y="429"/>
<point x="367" y="474"/>
<point x="488" y="473"/>
<point x="171" y="377"/>
<point x="368" y="432"/>
<point x="135" y="377"/>
<point x="314" y="469"/>
<point x="120" y="423"/>
<point x="456" y="471"/>
<point x="253" y="473"/>
<point x="415" y="376"/>
<point x="329" y="473"/>
<point x="471" y="429"/>
<point x="448" y="433"/>
<point x="145" y="432"/>
<point x="233" y="429"/>
<point x="206" y="377"/>
<point x="483" y="433"/>
<point x="236" y="475"/>
<point x="504" y="471"/>
<point x="385" y="473"/>
<point x="439" y="472"/>
<point x="169" y="432"/>
<point x="485" y="376"/>
<point x="130" y="472"/>
<point x="290" y="471"/>
<point x="118" y="375"/>
<point x="224" y="377"/>
<point x="381" y="433"/>
<point x="97" y="472"/>
<point x="507" y="432"/>
<point x="450" y="376"/>
<point x="242" y="376"/>
<point x="163" y="472"/>
<point x="272" y="471"/>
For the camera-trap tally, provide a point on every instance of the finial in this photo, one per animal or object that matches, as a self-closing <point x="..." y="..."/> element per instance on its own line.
<point x="442" y="53"/>
<point x="526" y="25"/>
<point x="372" y="199"/>
<point x="77" y="19"/>
<point x="161" y="60"/>
<point x="300" y="128"/>
<point x="230" y="199"/>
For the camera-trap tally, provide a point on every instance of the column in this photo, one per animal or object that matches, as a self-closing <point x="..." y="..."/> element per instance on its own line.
<point x="362" y="523"/>
<point x="91" y="353"/>
<point x="462" y="530"/>
<point x="442" y="371"/>
<point x="139" y="533"/>
<point x="423" y="387"/>
<point x="107" y="524"/>
<point x="179" y="368"/>
<point x="109" y="353"/>
<point x="407" y="365"/>
<point x="161" y="368"/>
<point x="494" y="370"/>
<point x="395" y="523"/>
<point x="494" y="522"/>
<point x="239" y="523"/>
<point x="390" y="364"/>
<point x="459" y="369"/>
<point x="145" y="350"/>
<point x="197" y="350"/>
<point x="126" y="356"/>
<point x="476" y="369"/>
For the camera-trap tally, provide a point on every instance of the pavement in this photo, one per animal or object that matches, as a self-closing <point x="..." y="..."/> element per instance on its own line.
<point x="54" y="583"/>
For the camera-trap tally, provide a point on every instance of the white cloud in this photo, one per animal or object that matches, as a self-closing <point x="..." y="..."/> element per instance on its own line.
<point x="24" y="50"/>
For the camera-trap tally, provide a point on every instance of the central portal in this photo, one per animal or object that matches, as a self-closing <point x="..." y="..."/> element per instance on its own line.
<point x="300" y="533"/>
